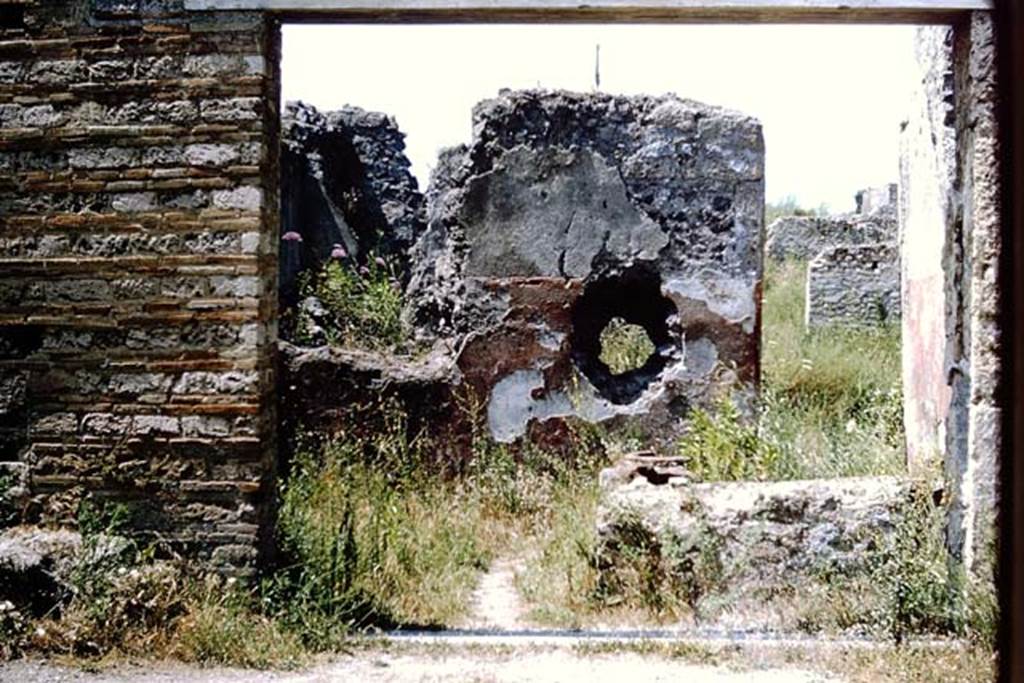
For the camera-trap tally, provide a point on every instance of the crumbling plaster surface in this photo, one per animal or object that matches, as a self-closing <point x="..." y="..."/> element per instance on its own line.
<point x="957" y="90"/>
<point x="559" y="192"/>
<point x="927" y="168"/>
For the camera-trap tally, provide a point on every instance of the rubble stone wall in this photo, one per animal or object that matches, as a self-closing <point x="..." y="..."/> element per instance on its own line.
<point x="345" y="182"/>
<point x="568" y="210"/>
<point x="138" y="213"/>
<point x="804" y="237"/>
<point x="854" y="285"/>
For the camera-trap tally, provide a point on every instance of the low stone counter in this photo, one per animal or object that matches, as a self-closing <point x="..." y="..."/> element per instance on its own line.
<point x="743" y="552"/>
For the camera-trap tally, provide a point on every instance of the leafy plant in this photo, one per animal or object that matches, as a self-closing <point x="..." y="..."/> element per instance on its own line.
<point x="362" y="307"/>
<point x="624" y="346"/>
<point x="722" y="446"/>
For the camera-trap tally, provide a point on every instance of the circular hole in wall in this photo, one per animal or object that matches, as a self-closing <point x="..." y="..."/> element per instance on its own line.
<point x="628" y="310"/>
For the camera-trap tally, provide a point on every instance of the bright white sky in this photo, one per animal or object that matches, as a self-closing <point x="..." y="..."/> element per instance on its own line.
<point x="831" y="98"/>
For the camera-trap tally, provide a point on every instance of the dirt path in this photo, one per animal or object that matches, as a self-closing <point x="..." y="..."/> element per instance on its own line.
<point x="521" y="666"/>
<point x="496" y="603"/>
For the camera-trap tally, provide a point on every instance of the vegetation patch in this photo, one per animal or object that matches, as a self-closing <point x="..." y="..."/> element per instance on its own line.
<point x="359" y="308"/>
<point x="624" y="346"/>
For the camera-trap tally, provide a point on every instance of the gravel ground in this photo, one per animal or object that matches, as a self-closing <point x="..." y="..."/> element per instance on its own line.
<point x="509" y="667"/>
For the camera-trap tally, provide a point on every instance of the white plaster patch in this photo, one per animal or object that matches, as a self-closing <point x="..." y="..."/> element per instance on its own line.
<point x="731" y="298"/>
<point x="512" y="405"/>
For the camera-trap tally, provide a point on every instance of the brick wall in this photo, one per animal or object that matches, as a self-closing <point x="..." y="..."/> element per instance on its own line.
<point x="138" y="215"/>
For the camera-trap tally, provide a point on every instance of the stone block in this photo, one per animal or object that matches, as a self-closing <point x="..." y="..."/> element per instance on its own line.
<point x="56" y="423"/>
<point x="750" y="550"/>
<point x="246" y="198"/>
<point x="156" y="425"/>
<point x="231" y="109"/>
<point x="106" y="424"/>
<point x="211" y="155"/>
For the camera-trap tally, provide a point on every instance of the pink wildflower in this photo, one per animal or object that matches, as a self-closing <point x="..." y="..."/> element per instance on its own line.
<point x="291" y="236"/>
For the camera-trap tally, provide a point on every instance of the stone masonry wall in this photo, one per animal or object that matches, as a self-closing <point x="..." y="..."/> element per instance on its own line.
<point x="804" y="237"/>
<point x="138" y="216"/>
<point x="927" y="166"/>
<point x="952" y="193"/>
<point x="854" y="285"/>
<point x="976" y="359"/>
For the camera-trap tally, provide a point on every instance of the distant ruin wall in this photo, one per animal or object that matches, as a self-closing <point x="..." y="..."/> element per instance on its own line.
<point x="872" y="199"/>
<point x="804" y="237"/>
<point x="854" y="285"/>
<point x="138" y="213"/>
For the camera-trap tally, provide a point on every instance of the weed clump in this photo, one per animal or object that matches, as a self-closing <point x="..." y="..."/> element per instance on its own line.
<point x="624" y="346"/>
<point x="720" y="445"/>
<point x="342" y="306"/>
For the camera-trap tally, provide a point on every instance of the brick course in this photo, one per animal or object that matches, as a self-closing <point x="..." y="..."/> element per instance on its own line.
<point x="138" y="211"/>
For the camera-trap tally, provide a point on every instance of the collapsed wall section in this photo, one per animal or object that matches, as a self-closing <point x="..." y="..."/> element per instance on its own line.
<point x="568" y="210"/>
<point x="346" y="191"/>
<point x="138" y="217"/>
<point x="804" y="237"/>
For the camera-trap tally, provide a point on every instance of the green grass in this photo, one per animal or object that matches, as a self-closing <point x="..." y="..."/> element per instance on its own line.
<point x="378" y="536"/>
<point x="624" y="346"/>
<point x="831" y="398"/>
<point x="375" y="535"/>
<point x="364" y="306"/>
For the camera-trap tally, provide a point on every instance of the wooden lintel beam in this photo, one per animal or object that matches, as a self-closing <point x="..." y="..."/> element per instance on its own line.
<point x="606" y="11"/>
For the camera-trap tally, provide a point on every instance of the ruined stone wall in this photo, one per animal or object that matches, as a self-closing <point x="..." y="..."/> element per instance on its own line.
<point x="872" y="199"/>
<point x="345" y="182"/>
<point x="952" y="191"/>
<point x="568" y="210"/>
<point x="927" y="167"/>
<point x="804" y="237"/>
<point x="137" y="266"/>
<point x="856" y="285"/>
